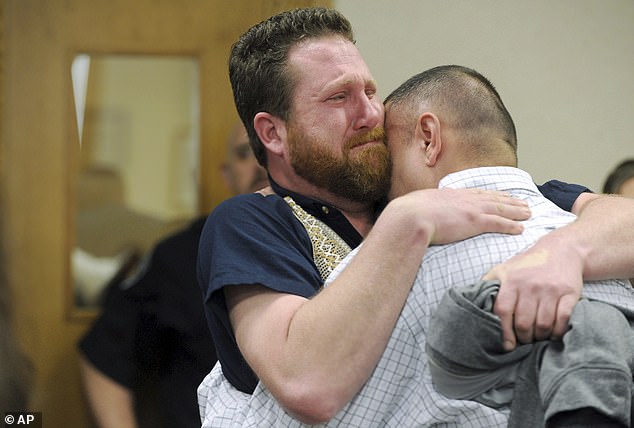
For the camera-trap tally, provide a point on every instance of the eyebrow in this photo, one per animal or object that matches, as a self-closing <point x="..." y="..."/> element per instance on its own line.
<point x="346" y="81"/>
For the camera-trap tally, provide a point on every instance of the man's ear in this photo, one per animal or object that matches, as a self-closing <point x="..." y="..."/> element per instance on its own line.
<point x="271" y="130"/>
<point x="429" y="128"/>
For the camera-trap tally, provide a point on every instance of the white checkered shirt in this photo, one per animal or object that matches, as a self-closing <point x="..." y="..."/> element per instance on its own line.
<point x="400" y="392"/>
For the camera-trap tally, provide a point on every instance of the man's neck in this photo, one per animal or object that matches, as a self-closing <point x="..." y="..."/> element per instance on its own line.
<point x="361" y="215"/>
<point x="361" y="222"/>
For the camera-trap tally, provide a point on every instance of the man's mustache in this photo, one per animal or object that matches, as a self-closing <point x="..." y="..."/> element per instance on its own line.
<point x="376" y="134"/>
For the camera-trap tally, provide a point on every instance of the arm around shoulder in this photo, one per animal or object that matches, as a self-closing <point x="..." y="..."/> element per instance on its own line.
<point x="541" y="286"/>
<point x="315" y="354"/>
<point x="604" y="231"/>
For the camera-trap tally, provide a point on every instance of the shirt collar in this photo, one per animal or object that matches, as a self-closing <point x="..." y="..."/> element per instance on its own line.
<point x="501" y="178"/>
<point x="324" y="212"/>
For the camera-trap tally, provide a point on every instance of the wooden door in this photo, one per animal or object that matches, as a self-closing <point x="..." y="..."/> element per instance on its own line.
<point x="39" y="39"/>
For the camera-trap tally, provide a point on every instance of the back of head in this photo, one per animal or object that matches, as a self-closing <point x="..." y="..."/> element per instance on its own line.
<point x="619" y="175"/>
<point x="466" y="102"/>
<point x="258" y="67"/>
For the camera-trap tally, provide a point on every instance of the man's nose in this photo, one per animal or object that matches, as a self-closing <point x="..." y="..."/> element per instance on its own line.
<point x="370" y="113"/>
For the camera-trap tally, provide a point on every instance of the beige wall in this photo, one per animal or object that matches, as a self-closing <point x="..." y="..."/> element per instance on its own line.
<point x="564" y="68"/>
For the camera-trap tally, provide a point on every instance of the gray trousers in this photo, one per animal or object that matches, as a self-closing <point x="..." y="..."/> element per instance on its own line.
<point x="590" y="367"/>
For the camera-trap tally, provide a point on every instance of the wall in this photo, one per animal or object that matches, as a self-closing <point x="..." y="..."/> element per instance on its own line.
<point x="564" y="69"/>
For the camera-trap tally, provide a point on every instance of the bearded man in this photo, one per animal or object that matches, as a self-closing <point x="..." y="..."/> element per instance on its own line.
<point x="314" y="120"/>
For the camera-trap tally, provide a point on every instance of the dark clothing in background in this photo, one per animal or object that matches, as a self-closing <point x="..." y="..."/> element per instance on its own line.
<point x="152" y="336"/>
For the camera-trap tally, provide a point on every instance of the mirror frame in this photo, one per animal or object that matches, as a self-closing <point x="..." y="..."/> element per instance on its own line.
<point x="191" y="145"/>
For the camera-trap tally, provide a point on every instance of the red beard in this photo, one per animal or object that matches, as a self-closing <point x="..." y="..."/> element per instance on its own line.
<point x="361" y="174"/>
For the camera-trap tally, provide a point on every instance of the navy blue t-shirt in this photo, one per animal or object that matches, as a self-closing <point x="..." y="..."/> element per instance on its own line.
<point x="562" y="194"/>
<point x="256" y="239"/>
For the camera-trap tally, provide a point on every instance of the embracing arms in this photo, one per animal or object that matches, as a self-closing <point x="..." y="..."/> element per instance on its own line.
<point x="541" y="286"/>
<point x="315" y="354"/>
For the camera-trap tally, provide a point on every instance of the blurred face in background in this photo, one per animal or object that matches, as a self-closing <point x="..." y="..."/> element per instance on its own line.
<point x="241" y="171"/>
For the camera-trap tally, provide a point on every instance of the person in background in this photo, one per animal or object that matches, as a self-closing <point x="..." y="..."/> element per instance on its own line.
<point x="620" y="181"/>
<point x="145" y="355"/>
<point x="309" y="104"/>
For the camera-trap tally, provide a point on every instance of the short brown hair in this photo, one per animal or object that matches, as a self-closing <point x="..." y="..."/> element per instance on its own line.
<point x="258" y="63"/>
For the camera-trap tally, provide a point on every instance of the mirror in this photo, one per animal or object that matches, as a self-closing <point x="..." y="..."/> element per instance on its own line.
<point x="135" y="175"/>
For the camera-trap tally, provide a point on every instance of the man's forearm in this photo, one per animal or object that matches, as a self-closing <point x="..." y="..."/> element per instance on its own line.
<point x="314" y="355"/>
<point x="541" y="286"/>
<point x="604" y="235"/>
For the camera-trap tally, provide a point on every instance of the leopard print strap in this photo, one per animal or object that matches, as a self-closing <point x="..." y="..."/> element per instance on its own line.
<point x="328" y="247"/>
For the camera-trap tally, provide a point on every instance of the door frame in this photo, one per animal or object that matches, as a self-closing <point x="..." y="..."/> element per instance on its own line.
<point x="38" y="39"/>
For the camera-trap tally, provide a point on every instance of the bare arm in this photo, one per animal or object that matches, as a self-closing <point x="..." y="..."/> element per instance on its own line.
<point x="315" y="355"/>
<point x="606" y="229"/>
<point x="541" y="286"/>
<point x="111" y="403"/>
